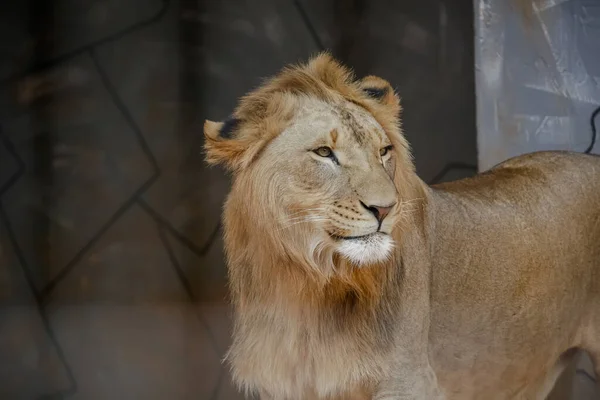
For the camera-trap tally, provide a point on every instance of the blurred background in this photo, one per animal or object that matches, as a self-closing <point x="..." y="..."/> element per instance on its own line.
<point x="112" y="280"/>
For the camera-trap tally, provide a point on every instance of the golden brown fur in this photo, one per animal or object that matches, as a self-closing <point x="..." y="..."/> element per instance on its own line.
<point x="488" y="284"/>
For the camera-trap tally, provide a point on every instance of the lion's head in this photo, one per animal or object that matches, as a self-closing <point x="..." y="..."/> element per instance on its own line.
<point x="317" y="159"/>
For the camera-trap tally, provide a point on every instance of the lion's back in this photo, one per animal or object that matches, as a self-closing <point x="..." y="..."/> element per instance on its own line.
<point x="546" y="178"/>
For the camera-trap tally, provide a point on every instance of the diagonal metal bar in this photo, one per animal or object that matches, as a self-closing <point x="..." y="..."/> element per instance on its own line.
<point x="199" y="251"/>
<point x="88" y="47"/>
<point x="20" y="164"/>
<point x="190" y="293"/>
<point x="38" y="302"/>
<point x="47" y="290"/>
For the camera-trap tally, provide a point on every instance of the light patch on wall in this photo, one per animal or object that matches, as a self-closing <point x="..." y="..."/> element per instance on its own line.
<point x="416" y="38"/>
<point x="491" y="45"/>
<point x="545" y="130"/>
<point x="542" y="5"/>
<point x="536" y="84"/>
<point x="561" y="34"/>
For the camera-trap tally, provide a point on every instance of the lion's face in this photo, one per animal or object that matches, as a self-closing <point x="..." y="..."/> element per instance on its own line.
<point x="335" y="165"/>
<point x="315" y="156"/>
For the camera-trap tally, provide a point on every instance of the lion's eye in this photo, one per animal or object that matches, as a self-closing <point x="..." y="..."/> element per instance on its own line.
<point x="383" y="152"/>
<point x="323" y="151"/>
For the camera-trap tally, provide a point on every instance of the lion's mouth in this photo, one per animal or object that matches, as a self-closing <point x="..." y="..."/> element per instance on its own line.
<point x="364" y="249"/>
<point x="359" y="237"/>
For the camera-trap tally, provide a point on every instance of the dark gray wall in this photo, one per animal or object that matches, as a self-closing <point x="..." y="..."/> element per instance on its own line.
<point x="112" y="279"/>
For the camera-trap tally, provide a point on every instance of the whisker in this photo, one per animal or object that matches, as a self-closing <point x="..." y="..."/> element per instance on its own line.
<point x="306" y="211"/>
<point x="306" y="217"/>
<point x="303" y="221"/>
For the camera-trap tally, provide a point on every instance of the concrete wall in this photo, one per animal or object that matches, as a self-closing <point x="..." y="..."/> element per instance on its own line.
<point x="537" y="75"/>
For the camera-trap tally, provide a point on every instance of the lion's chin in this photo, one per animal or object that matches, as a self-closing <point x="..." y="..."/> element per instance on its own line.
<point x="368" y="249"/>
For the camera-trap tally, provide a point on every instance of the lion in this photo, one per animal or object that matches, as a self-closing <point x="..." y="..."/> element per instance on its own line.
<point x="352" y="279"/>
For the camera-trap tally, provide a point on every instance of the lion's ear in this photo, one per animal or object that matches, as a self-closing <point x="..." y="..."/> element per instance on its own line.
<point x="224" y="146"/>
<point x="380" y="90"/>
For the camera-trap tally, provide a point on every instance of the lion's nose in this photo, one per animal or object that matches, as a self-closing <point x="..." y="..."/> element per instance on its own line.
<point x="380" y="212"/>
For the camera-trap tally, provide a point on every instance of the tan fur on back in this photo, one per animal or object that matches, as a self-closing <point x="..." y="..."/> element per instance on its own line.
<point x="477" y="289"/>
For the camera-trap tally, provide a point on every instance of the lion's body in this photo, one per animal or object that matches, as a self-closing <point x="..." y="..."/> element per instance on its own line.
<point x="516" y="275"/>
<point x="352" y="279"/>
